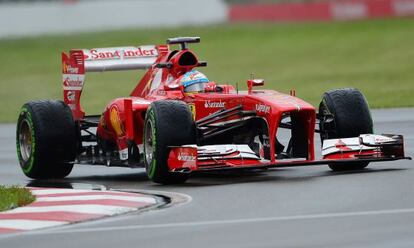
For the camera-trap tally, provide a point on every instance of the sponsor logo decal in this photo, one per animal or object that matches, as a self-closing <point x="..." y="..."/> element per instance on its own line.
<point x="123" y="154"/>
<point x="342" y="146"/>
<point x="193" y="110"/>
<point x="141" y="101"/>
<point x="261" y="108"/>
<point x="210" y="104"/>
<point x="186" y="157"/>
<point x="71" y="95"/>
<point x="384" y="140"/>
<point x="73" y="81"/>
<point x="119" y="53"/>
<point x="116" y="121"/>
<point x="69" y="69"/>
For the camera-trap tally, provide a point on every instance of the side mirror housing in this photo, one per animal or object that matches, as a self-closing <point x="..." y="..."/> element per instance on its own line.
<point x="254" y="83"/>
<point x="174" y="86"/>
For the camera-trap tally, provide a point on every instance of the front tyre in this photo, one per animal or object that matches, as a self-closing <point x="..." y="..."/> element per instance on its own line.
<point x="46" y="139"/>
<point x="352" y="118"/>
<point x="167" y="123"/>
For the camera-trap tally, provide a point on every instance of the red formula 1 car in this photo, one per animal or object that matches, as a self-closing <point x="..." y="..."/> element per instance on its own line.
<point x="176" y="122"/>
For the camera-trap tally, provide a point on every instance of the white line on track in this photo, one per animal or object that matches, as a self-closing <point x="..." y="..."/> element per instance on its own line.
<point x="97" y="197"/>
<point x="243" y="221"/>
<point x="29" y="224"/>
<point x="86" y="209"/>
<point x="59" y="191"/>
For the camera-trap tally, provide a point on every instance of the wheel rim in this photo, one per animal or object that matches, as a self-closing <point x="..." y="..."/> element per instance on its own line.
<point x="25" y="140"/>
<point x="148" y="146"/>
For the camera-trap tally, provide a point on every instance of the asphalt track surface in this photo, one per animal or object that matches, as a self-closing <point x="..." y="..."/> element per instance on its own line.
<point x="290" y="207"/>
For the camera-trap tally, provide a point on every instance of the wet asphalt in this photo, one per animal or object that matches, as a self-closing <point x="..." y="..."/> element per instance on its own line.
<point x="289" y="207"/>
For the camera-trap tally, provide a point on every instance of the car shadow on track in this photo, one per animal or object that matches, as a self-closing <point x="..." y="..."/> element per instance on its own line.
<point x="363" y="171"/>
<point x="277" y="176"/>
<point x="139" y="180"/>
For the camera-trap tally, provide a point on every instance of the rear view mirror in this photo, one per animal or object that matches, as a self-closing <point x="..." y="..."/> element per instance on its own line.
<point x="170" y="87"/>
<point x="253" y="83"/>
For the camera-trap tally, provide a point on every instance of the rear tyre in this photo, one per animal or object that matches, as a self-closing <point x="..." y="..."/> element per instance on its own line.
<point x="352" y="118"/>
<point x="167" y="123"/>
<point x="46" y="139"/>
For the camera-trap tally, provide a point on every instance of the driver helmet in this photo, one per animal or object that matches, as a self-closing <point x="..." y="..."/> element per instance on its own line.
<point x="193" y="81"/>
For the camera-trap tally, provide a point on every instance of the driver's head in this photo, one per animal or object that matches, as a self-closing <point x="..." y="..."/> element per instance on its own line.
<point x="193" y="81"/>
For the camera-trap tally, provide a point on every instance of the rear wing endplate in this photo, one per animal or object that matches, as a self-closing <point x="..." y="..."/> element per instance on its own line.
<point x="79" y="61"/>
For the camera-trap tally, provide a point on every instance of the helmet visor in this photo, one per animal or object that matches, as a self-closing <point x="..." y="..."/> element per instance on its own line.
<point x="195" y="87"/>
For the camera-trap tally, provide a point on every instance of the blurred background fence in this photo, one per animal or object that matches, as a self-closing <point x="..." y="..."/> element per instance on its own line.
<point x="34" y="17"/>
<point x="314" y="10"/>
<point x="305" y="45"/>
<point x="23" y="18"/>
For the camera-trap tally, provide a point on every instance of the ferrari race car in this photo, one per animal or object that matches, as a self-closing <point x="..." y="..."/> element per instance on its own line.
<point x="177" y="122"/>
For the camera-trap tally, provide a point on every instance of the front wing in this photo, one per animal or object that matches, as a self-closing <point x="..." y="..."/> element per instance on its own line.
<point x="365" y="148"/>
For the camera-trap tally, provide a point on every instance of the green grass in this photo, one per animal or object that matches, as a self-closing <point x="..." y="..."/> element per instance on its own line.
<point x="374" y="56"/>
<point x="14" y="196"/>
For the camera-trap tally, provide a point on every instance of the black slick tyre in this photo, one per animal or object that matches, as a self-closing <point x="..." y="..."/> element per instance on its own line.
<point x="352" y="118"/>
<point x="167" y="123"/>
<point x="46" y="139"/>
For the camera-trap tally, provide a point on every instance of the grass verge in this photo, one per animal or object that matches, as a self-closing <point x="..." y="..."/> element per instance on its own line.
<point x="14" y="196"/>
<point x="374" y="56"/>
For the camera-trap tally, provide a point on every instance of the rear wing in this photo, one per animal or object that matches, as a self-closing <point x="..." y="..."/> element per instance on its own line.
<point x="119" y="58"/>
<point x="79" y="61"/>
